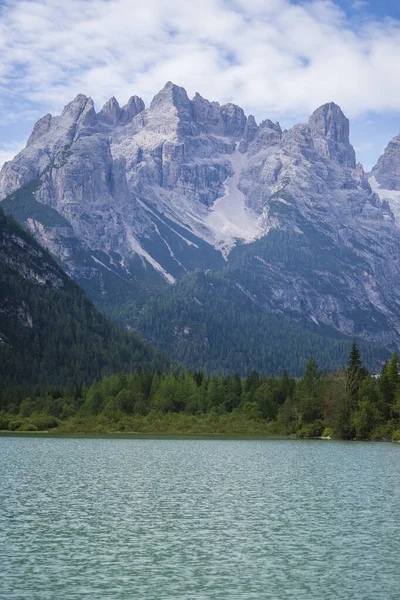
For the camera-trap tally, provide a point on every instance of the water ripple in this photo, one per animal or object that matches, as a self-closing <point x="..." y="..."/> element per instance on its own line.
<point x="198" y="519"/>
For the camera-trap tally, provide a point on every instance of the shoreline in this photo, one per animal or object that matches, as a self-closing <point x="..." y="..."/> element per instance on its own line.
<point x="144" y="435"/>
<point x="136" y="435"/>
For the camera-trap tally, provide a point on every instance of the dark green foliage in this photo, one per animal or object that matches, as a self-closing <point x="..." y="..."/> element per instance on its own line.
<point x="50" y="333"/>
<point x="51" y="337"/>
<point x="309" y="394"/>
<point x="312" y="406"/>
<point x="231" y="318"/>
<point x="205" y="321"/>
<point x="354" y="364"/>
<point x="347" y="402"/>
<point x="355" y="370"/>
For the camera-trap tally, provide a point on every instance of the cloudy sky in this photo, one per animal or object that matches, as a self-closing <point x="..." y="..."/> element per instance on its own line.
<point x="278" y="59"/>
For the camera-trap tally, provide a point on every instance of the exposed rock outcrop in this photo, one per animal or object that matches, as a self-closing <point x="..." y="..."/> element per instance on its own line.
<point x="150" y="194"/>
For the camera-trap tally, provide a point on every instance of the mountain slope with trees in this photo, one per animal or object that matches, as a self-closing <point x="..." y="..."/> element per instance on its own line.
<point x="208" y="321"/>
<point x="133" y="199"/>
<point x="50" y="332"/>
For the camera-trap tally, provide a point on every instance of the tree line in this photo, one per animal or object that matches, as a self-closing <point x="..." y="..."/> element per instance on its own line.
<point x="348" y="404"/>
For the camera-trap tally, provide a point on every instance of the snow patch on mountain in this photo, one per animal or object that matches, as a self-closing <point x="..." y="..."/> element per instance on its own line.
<point x="392" y="196"/>
<point x="230" y="219"/>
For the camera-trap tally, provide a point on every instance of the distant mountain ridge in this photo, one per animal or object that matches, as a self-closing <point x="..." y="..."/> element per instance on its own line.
<point x="132" y="199"/>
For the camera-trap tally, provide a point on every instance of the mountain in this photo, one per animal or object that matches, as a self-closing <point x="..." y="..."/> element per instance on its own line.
<point x="50" y="333"/>
<point x="132" y="200"/>
<point x="384" y="178"/>
<point x="208" y="322"/>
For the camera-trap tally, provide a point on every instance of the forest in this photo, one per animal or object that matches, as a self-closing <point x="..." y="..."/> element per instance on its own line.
<point x="50" y="332"/>
<point x="206" y="321"/>
<point x="349" y="404"/>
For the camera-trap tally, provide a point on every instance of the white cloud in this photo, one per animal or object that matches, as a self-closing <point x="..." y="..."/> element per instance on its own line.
<point x="359" y="4"/>
<point x="273" y="57"/>
<point x="8" y="151"/>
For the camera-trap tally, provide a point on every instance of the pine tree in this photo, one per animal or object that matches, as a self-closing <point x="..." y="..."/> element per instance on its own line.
<point x="354" y="365"/>
<point x="390" y="385"/>
<point x="393" y="371"/>
<point x="355" y="372"/>
<point x="308" y="393"/>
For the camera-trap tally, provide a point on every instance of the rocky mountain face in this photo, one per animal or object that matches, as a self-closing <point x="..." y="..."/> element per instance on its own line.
<point x="132" y="199"/>
<point x="385" y="177"/>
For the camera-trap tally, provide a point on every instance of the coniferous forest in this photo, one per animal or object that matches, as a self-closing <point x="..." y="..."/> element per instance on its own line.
<point x="58" y="356"/>
<point x="349" y="404"/>
<point x="50" y="332"/>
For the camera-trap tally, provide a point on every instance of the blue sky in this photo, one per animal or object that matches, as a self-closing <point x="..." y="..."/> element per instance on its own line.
<point x="278" y="59"/>
<point x="377" y="8"/>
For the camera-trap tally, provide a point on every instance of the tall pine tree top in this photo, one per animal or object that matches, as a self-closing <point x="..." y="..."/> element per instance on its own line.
<point x="354" y="365"/>
<point x="393" y="370"/>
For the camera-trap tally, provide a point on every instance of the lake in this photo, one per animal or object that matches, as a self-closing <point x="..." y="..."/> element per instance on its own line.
<point x="198" y="519"/>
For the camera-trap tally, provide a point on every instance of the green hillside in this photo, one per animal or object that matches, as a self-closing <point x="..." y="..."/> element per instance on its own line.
<point x="50" y="332"/>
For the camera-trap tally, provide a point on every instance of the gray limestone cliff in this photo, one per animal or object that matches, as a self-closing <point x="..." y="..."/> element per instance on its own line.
<point x="387" y="169"/>
<point x="145" y="195"/>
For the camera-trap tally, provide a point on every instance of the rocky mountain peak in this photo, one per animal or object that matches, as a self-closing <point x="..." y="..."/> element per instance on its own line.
<point x="330" y="130"/>
<point x="387" y="169"/>
<point x="261" y="137"/>
<point x="207" y="115"/>
<point x="298" y="140"/>
<point x="133" y="107"/>
<point x="176" y="186"/>
<point x="228" y="120"/>
<point x="267" y="124"/>
<point x="80" y="106"/>
<point x="360" y="176"/>
<point x="328" y="121"/>
<point x="251" y="129"/>
<point x="111" y="112"/>
<point x="359" y="172"/>
<point x="234" y="119"/>
<point x="171" y="112"/>
<point x="78" y="115"/>
<point x="171" y="94"/>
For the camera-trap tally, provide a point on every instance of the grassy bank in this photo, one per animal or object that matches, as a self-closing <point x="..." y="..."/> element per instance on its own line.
<point x="152" y="423"/>
<point x="207" y="426"/>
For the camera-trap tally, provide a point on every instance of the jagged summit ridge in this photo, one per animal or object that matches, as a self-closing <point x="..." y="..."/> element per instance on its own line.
<point x="112" y="114"/>
<point x="149" y="194"/>
<point x="165" y="141"/>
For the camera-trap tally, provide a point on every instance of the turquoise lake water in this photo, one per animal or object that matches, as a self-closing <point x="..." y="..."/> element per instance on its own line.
<point x="198" y="519"/>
